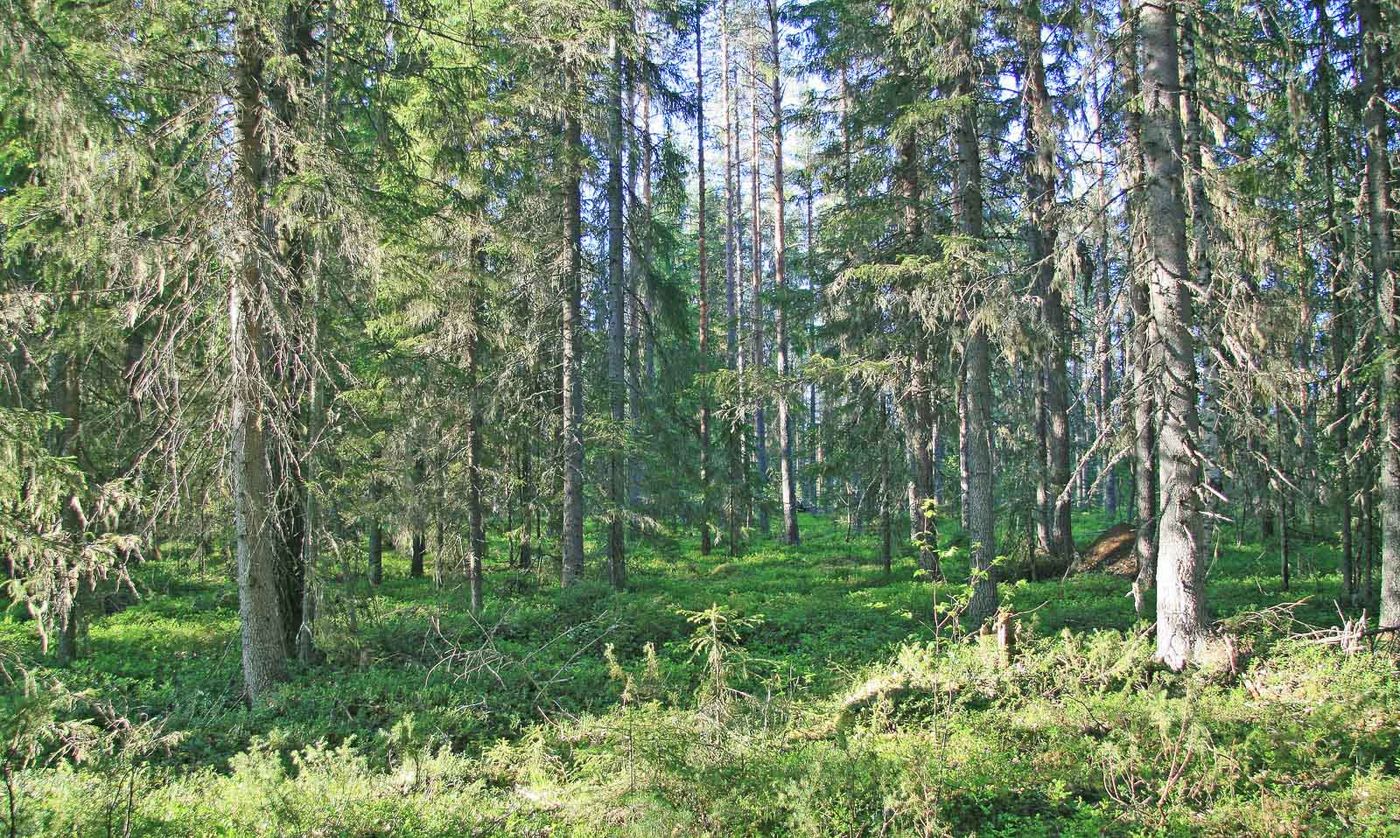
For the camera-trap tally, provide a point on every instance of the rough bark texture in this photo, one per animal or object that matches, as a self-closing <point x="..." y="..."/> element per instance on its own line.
<point x="703" y="276"/>
<point x="1376" y="88"/>
<point x="1041" y="237"/>
<point x="476" y="528"/>
<point x="259" y="611"/>
<point x="376" y="552"/>
<point x="967" y="210"/>
<point x="1143" y="333"/>
<point x="732" y="265"/>
<point x="1340" y="337"/>
<point x="571" y="534"/>
<point x="1181" y="619"/>
<point x="617" y="323"/>
<point x="756" y="304"/>
<point x="787" y="472"/>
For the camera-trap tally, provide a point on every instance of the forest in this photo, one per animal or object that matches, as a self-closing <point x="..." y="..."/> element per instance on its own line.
<point x="699" y="417"/>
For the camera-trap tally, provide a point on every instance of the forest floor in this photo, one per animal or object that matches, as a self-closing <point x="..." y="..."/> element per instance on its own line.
<point x="794" y="690"/>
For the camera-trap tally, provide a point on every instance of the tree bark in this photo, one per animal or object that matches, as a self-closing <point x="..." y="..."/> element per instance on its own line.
<point x="1144" y="336"/>
<point x="571" y="535"/>
<point x="787" y="472"/>
<point x="376" y="553"/>
<point x="1181" y="618"/>
<point x="260" y="617"/>
<point x="1376" y="89"/>
<point x="967" y="212"/>
<point x="617" y="322"/>
<point x="756" y="303"/>
<point x="703" y="275"/>
<point x="1041" y="238"/>
<point x="1340" y="338"/>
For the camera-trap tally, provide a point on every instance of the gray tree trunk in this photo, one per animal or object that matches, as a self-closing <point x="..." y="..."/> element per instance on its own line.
<point x="1181" y="618"/>
<point x="756" y="303"/>
<point x="1042" y="235"/>
<point x="787" y="472"/>
<point x="967" y="212"/>
<point x="1340" y="339"/>
<point x="571" y="533"/>
<point x="255" y="537"/>
<point x="706" y="543"/>
<point x="617" y="321"/>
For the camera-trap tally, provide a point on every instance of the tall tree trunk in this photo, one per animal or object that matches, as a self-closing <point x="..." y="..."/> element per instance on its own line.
<point x="259" y="609"/>
<point x="1041" y="235"/>
<point x="571" y="534"/>
<point x="703" y="276"/>
<point x="967" y="212"/>
<point x="733" y="263"/>
<point x="756" y="302"/>
<point x="617" y="322"/>
<point x="1202" y="221"/>
<point x="1376" y="89"/>
<point x="649" y="335"/>
<point x="311" y="515"/>
<point x="1144" y="335"/>
<point x="787" y="472"/>
<point x="634" y="284"/>
<point x="1341" y="340"/>
<point x="1181" y="618"/>
<point x="476" y="528"/>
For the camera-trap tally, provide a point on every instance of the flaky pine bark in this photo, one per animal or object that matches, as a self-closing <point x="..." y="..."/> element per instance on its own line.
<point x="967" y="212"/>
<point x="1041" y="237"/>
<point x="787" y="472"/>
<point x="617" y="323"/>
<point x="571" y="533"/>
<point x="703" y="276"/>
<point x="255" y="537"/>
<point x="1376" y="85"/>
<point x="1181" y="619"/>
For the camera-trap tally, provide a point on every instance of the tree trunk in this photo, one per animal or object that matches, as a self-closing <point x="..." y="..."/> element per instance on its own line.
<point x="967" y="212"/>
<point x="1378" y="186"/>
<point x="476" y="528"/>
<point x="1041" y="235"/>
<point x="418" y="549"/>
<point x="527" y="504"/>
<point x="1144" y="336"/>
<point x="703" y="276"/>
<point x="376" y="553"/>
<point x="1181" y="618"/>
<point x="756" y="303"/>
<point x="617" y="322"/>
<point x="733" y="263"/>
<point x="571" y="535"/>
<point x="259" y="611"/>
<point x="787" y="472"/>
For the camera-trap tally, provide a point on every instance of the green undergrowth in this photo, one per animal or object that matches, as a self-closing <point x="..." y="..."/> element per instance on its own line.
<point x="790" y="690"/>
